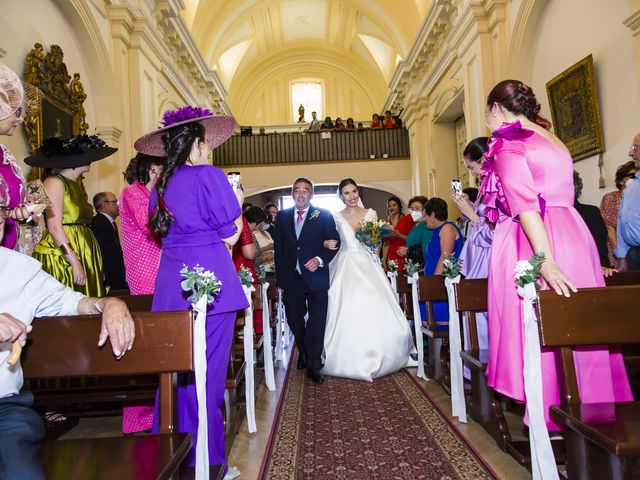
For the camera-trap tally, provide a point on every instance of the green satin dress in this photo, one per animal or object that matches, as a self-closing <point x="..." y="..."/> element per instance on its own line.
<point x="76" y="218"/>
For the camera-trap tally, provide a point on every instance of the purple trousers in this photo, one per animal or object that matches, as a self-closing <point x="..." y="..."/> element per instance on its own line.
<point x="219" y="338"/>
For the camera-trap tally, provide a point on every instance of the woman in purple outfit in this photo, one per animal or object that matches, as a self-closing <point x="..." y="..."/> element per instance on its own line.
<point x="196" y="214"/>
<point x="476" y="250"/>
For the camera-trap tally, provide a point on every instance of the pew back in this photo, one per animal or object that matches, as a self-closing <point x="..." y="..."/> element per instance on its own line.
<point x="67" y="347"/>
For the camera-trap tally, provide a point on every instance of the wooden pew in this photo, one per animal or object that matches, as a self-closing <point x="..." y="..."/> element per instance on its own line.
<point x="484" y="403"/>
<point x="404" y="295"/>
<point x="602" y="439"/>
<point x="431" y="289"/>
<point x="67" y="347"/>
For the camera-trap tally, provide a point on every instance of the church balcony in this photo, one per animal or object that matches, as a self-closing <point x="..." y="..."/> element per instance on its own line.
<point x="302" y="147"/>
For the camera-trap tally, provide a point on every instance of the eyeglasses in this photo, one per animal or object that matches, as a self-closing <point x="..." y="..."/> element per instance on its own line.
<point x="19" y="111"/>
<point x="634" y="147"/>
<point x="111" y="201"/>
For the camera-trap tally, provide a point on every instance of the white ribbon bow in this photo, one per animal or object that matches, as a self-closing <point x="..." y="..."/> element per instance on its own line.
<point x="269" y="377"/>
<point x="249" y="386"/>
<point x="458" y="405"/>
<point x="394" y="283"/>
<point x="200" y="367"/>
<point x="417" y="324"/>
<point x="543" y="464"/>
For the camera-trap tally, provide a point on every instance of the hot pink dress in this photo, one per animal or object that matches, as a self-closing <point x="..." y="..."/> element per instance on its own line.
<point x="141" y="251"/>
<point x="528" y="172"/>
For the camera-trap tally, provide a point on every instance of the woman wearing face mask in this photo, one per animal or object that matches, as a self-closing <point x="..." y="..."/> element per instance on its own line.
<point x="402" y="225"/>
<point x="419" y="236"/>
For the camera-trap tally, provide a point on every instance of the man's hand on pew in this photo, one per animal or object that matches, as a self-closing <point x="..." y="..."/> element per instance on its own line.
<point x="608" y="271"/>
<point x="12" y="329"/>
<point x="117" y="324"/>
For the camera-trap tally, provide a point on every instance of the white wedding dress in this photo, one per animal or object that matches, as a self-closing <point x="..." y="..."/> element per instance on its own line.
<point x="367" y="335"/>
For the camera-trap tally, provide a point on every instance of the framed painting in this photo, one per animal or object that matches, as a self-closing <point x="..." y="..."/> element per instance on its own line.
<point x="574" y="109"/>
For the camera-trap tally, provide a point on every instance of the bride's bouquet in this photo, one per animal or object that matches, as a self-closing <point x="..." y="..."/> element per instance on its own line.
<point x="372" y="233"/>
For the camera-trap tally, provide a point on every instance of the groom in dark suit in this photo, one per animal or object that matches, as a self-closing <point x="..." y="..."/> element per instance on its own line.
<point x="302" y="271"/>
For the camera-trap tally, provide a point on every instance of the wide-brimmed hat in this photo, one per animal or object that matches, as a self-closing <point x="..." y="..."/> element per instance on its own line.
<point x="218" y="128"/>
<point x="70" y="152"/>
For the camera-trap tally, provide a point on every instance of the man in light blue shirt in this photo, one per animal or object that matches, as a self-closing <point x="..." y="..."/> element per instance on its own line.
<point x="628" y="229"/>
<point x="28" y="292"/>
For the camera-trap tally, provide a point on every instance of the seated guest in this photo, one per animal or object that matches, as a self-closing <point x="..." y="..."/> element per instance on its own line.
<point x="28" y="292"/>
<point x="263" y="242"/>
<point x="314" y="126"/>
<point x="246" y="205"/>
<point x="375" y="121"/>
<point x="327" y="125"/>
<point x="447" y="239"/>
<point x="105" y="230"/>
<point x="591" y="216"/>
<point x="402" y="225"/>
<point x="350" y="125"/>
<point x="388" y="121"/>
<point x="339" y="126"/>
<point x="419" y="236"/>
<point x="610" y="205"/>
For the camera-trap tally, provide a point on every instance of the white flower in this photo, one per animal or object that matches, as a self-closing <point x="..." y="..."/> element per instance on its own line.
<point x="523" y="268"/>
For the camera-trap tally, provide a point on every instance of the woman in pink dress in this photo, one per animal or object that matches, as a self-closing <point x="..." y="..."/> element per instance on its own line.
<point x="530" y="190"/>
<point x="141" y="251"/>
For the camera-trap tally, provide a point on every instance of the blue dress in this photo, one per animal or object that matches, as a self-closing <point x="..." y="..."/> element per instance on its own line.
<point x="440" y="309"/>
<point x="204" y="208"/>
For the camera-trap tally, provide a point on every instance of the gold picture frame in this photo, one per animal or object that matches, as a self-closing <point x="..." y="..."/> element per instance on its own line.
<point x="574" y="109"/>
<point x="61" y="111"/>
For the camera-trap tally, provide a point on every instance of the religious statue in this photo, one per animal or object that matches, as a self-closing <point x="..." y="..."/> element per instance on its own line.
<point x="78" y="96"/>
<point x="33" y="65"/>
<point x="301" y="114"/>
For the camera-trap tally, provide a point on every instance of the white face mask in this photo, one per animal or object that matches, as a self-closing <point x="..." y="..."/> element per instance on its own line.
<point x="416" y="215"/>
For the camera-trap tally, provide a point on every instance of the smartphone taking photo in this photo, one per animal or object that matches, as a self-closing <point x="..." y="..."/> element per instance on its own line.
<point x="234" y="180"/>
<point x="456" y="187"/>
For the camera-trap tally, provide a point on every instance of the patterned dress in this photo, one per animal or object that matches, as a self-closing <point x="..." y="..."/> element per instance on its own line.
<point x="14" y="193"/>
<point x="609" y="208"/>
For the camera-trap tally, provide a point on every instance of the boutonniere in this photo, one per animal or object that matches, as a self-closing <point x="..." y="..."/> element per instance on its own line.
<point x="314" y="214"/>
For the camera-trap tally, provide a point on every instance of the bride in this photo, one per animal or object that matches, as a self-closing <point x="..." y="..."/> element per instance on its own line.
<point x="367" y="335"/>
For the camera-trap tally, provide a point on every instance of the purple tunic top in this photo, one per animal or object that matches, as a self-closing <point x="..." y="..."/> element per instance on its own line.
<point x="205" y="208"/>
<point x="476" y="250"/>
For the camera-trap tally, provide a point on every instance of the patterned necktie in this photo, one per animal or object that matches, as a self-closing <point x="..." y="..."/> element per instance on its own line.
<point x="299" y="219"/>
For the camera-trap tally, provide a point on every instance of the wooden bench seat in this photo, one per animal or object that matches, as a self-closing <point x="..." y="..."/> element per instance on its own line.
<point x="67" y="347"/>
<point x="431" y="289"/>
<point x="602" y="439"/>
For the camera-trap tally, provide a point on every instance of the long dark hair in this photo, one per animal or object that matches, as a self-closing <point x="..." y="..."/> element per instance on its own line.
<point x="177" y="145"/>
<point x="519" y="99"/>
<point x="476" y="149"/>
<point x="344" y="183"/>
<point x="398" y="202"/>
<point x="139" y="167"/>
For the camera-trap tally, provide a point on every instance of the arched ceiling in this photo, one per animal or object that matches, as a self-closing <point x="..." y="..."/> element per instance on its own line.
<point x="237" y="37"/>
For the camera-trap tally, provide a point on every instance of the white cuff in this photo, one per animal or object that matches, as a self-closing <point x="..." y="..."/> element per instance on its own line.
<point x="320" y="261"/>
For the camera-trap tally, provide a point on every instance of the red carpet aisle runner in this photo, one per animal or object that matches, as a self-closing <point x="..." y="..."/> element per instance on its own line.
<point x="348" y="429"/>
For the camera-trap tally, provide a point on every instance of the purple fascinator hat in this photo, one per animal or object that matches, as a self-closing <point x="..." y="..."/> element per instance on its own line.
<point x="218" y="128"/>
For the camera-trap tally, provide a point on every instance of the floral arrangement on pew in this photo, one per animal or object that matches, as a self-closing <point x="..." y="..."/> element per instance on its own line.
<point x="246" y="277"/>
<point x="528" y="271"/>
<point x="372" y="233"/>
<point x="452" y="266"/>
<point x="262" y="274"/>
<point x="392" y="266"/>
<point x="200" y="283"/>
<point x="411" y="267"/>
<point x="204" y="287"/>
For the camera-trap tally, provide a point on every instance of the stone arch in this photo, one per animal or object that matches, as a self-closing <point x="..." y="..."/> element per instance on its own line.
<point x="525" y="28"/>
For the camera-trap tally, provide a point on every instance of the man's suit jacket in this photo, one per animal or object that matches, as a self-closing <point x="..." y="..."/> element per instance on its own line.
<point x="112" y="261"/>
<point x="318" y="227"/>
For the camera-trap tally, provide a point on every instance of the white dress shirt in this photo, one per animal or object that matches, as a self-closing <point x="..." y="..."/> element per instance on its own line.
<point x="27" y="292"/>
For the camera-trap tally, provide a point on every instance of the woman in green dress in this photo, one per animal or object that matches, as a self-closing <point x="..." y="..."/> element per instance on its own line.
<point x="68" y="250"/>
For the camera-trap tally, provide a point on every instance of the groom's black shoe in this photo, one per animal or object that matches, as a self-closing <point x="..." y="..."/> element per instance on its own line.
<point x="315" y="376"/>
<point x="301" y="363"/>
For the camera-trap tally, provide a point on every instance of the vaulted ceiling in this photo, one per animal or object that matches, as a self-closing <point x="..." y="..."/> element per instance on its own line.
<point x="258" y="44"/>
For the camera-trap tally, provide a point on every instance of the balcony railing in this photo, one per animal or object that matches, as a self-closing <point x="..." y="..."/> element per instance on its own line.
<point x="296" y="147"/>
